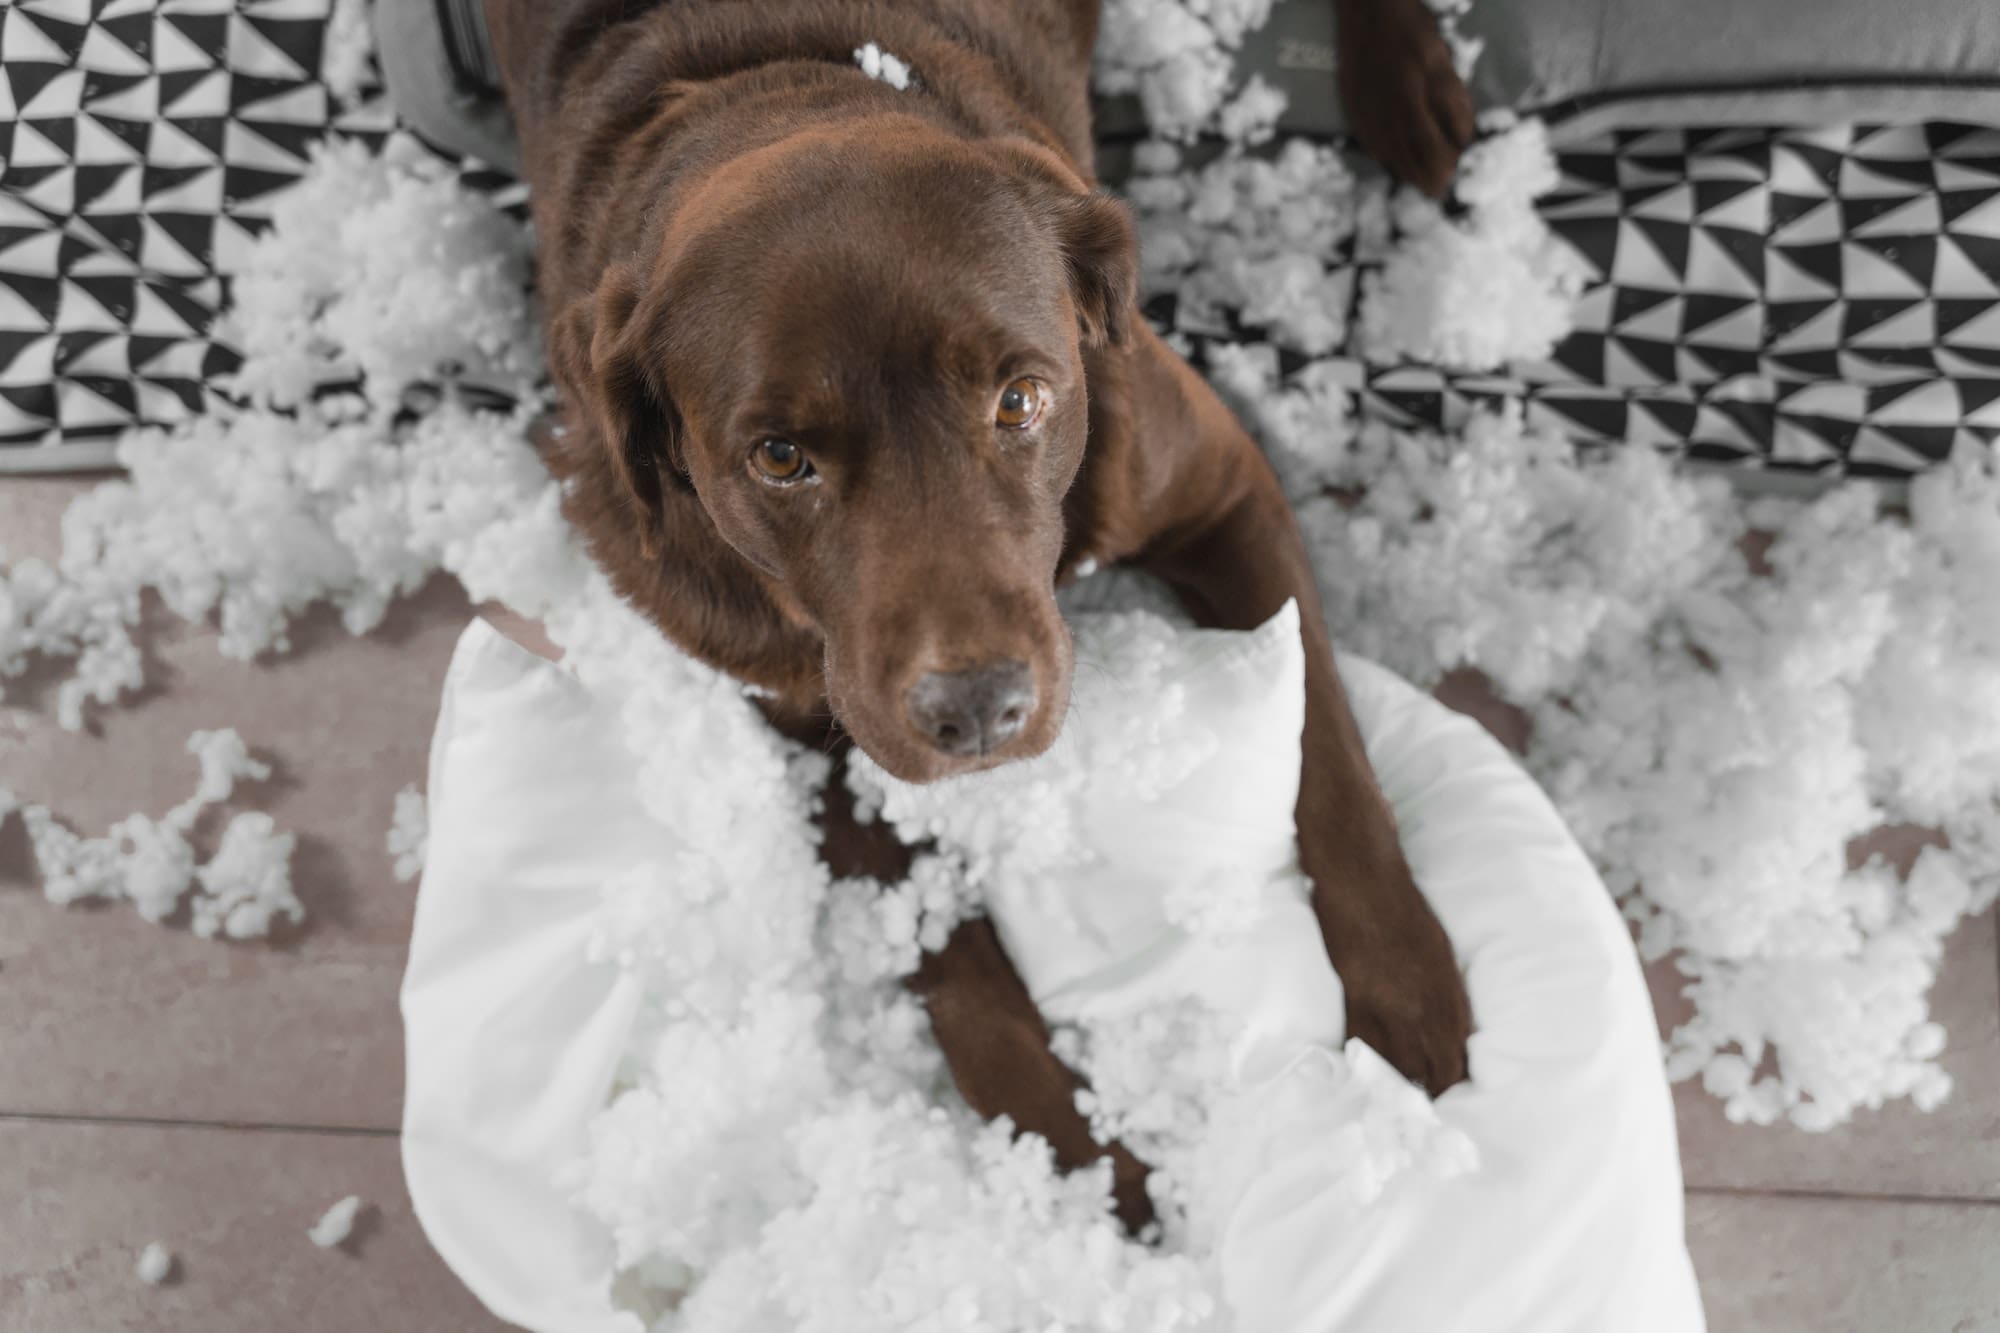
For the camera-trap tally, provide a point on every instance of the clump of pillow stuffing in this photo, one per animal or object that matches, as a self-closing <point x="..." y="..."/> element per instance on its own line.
<point x="1262" y="239"/>
<point x="1465" y="48"/>
<point x="1477" y="291"/>
<point x="348" y="50"/>
<point x="879" y="65"/>
<point x="254" y="518"/>
<point x="1496" y="547"/>
<point x="156" y="1261"/>
<point x="409" y="833"/>
<point x="1276" y="245"/>
<point x="336" y="1224"/>
<point x="1178" y="58"/>
<point x="1160" y="1081"/>
<point x="1175" y="57"/>
<point x="910" y="1216"/>
<point x="1027" y="822"/>
<point x="380" y="265"/>
<point x="240" y="891"/>
<point x="1722" y="773"/>
<point x="380" y="273"/>
<point x="1716" y="735"/>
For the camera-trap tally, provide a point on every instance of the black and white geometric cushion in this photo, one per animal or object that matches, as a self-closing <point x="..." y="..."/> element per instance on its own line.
<point x="142" y="143"/>
<point x="1829" y="296"/>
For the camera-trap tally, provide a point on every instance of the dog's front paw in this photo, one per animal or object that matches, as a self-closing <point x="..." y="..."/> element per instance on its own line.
<point x="1407" y="106"/>
<point x="1413" y="1010"/>
<point x="1129" y="1195"/>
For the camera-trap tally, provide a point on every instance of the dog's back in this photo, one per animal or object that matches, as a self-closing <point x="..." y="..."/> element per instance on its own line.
<point x="548" y="50"/>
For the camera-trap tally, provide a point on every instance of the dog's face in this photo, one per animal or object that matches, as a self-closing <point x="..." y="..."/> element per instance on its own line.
<point x="862" y="350"/>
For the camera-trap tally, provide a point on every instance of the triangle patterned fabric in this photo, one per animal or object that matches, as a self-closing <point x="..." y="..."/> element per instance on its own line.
<point x="141" y="145"/>
<point x="1834" y="294"/>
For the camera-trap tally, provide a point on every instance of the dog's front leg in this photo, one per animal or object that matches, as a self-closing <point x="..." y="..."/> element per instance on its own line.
<point x="1231" y="548"/>
<point x="997" y="1046"/>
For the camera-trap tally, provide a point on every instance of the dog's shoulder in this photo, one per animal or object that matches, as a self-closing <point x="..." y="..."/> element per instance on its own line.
<point x="1153" y="458"/>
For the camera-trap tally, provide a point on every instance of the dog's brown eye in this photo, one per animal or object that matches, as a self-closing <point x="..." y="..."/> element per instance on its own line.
<point x="1020" y="404"/>
<point x="780" y="460"/>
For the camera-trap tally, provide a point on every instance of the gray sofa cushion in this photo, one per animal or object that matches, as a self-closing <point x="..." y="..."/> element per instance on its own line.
<point x="1597" y="65"/>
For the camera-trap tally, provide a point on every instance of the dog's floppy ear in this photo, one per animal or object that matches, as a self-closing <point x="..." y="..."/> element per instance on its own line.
<point x="1100" y="244"/>
<point x="1101" y="247"/>
<point x="597" y="352"/>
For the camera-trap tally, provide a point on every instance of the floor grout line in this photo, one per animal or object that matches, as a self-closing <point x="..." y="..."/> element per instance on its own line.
<point x="168" y="1122"/>
<point x="364" y="1132"/>
<point x="1840" y="1196"/>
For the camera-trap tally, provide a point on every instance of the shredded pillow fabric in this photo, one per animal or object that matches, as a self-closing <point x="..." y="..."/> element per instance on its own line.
<point x="737" y="1116"/>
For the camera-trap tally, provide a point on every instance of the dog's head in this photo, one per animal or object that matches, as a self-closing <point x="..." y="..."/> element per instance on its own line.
<point x="862" y="348"/>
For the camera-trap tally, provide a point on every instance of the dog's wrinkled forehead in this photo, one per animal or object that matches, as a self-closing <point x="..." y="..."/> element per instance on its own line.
<point x="857" y="263"/>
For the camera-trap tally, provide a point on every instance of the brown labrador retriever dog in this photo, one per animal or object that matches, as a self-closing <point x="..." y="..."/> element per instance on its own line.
<point x="854" y="380"/>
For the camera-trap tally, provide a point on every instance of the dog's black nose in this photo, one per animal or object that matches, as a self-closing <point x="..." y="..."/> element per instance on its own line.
<point x="976" y="711"/>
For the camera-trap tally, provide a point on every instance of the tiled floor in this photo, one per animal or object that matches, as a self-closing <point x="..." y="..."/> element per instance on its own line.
<point x="218" y="1097"/>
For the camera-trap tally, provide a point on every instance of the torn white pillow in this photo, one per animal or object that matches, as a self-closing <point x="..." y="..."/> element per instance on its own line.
<point x="1571" y="1220"/>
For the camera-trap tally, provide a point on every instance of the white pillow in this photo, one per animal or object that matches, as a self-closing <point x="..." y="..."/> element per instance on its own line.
<point x="1571" y="1221"/>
